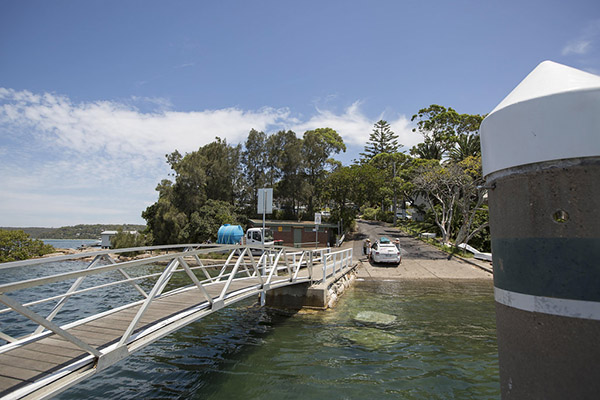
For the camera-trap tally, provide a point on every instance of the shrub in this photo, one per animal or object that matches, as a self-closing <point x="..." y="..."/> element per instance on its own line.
<point x="370" y="214"/>
<point x="17" y="245"/>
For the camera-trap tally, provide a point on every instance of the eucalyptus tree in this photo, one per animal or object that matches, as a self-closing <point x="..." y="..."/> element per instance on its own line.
<point x="441" y="127"/>
<point x="286" y="169"/>
<point x="255" y="164"/>
<point x="317" y="147"/>
<point x="454" y="195"/>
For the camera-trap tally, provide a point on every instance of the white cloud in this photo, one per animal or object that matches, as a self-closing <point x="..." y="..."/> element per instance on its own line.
<point x="577" y="47"/>
<point x="95" y="162"/>
<point x="121" y="129"/>
<point x="584" y="43"/>
<point x="355" y="127"/>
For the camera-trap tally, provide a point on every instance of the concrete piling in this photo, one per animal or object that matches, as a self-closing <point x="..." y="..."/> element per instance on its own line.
<point x="541" y="157"/>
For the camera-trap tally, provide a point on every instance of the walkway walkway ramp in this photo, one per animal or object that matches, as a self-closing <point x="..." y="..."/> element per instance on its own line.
<point x="140" y="301"/>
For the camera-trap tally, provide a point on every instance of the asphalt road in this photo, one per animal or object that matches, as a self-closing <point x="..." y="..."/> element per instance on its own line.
<point x="419" y="260"/>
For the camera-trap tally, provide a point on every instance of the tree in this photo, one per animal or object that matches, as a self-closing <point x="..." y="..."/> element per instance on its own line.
<point x="453" y="188"/>
<point x="441" y="127"/>
<point x="339" y="187"/>
<point x="466" y="146"/>
<point x="317" y="148"/>
<point x="16" y="245"/>
<point x="440" y="187"/>
<point x="287" y="162"/>
<point x="124" y="239"/>
<point x="392" y="167"/>
<point x="428" y="150"/>
<point x="471" y="200"/>
<point x="381" y="140"/>
<point x="220" y="163"/>
<point x="255" y="160"/>
<point x="210" y="173"/>
<point x="204" y="223"/>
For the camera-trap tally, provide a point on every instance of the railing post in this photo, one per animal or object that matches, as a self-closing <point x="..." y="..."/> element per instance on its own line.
<point x="324" y="260"/>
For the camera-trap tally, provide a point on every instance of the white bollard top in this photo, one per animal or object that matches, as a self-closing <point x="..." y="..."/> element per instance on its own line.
<point x="553" y="114"/>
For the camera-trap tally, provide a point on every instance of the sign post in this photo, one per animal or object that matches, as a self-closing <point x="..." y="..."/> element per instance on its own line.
<point x="317" y="223"/>
<point x="265" y="206"/>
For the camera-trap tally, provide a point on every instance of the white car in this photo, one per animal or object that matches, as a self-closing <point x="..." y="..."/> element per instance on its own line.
<point x="385" y="253"/>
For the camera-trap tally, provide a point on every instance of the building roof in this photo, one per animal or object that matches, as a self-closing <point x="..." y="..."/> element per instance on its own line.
<point x="294" y="224"/>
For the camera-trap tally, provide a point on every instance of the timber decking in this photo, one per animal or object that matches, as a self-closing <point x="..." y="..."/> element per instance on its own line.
<point x="38" y="359"/>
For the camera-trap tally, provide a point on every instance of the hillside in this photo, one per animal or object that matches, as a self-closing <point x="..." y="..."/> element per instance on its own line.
<point x="75" y="232"/>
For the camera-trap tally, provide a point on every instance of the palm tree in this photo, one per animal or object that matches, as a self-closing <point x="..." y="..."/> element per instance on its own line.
<point x="428" y="150"/>
<point x="466" y="146"/>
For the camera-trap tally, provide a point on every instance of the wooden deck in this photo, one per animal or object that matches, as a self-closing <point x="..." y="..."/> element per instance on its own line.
<point x="42" y="358"/>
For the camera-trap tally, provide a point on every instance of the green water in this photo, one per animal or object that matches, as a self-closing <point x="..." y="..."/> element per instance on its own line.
<point x="442" y="345"/>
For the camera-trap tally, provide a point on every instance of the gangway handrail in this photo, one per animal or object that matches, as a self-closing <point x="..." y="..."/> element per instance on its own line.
<point x="276" y="266"/>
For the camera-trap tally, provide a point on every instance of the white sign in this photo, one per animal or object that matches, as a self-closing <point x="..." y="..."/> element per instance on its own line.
<point x="317" y="218"/>
<point x="265" y="201"/>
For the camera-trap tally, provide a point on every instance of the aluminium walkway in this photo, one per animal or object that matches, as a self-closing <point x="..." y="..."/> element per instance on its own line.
<point x="53" y="357"/>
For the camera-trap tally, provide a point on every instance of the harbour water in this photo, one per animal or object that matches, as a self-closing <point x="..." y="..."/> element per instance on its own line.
<point x="70" y="243"/>
<point x="442" y="345"/>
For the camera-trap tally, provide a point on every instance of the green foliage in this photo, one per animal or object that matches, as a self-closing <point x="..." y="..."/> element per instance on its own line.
<point x="204" y="224"/>
<point x="381" y="140"/>
<point x="17" y="245"/>
<point x="75" y="232"/>
<point x="125" y="239"/>
<point x="317" y="147"/>
<point x="218" y="183"/>
<point x="209" y="174"/>
<point x="370" y="214"/>
<point x="442" y="127"/>
<point x="385" y="216"/>
<point x="465" y="146"/>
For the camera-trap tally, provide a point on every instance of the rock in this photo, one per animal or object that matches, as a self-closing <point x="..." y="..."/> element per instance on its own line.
<point x="374" y="318"/>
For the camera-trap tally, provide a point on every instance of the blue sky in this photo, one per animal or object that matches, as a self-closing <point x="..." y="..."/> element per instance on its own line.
<point x="93" y="94"/>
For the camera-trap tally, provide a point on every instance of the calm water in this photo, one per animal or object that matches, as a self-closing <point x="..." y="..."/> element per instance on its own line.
<point x="69" y="243"/>
<point x="442" y="346"/>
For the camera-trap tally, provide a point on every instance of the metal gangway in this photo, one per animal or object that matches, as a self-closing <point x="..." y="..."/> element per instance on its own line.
<point x="74" y="333"/>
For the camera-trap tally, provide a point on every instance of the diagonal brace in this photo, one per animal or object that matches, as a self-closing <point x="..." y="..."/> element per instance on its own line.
<point x="48" y="325"/>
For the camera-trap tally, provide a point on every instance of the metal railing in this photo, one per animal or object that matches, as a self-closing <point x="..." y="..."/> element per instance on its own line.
<point x="255" y="270"/>
<point x="272" y="265"/>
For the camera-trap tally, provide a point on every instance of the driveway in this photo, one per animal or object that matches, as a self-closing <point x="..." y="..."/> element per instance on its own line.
<point x="419" y="260"/>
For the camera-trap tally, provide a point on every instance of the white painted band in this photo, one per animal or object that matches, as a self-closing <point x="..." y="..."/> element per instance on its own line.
<point x="549" y="305"/>
<point x="556" y="127"/>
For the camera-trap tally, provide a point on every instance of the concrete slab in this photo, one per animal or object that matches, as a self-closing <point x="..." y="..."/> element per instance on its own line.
<point x="420" y="260"/>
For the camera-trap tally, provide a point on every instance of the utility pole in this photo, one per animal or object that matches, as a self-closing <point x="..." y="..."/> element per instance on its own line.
<point x="394" y="186"/>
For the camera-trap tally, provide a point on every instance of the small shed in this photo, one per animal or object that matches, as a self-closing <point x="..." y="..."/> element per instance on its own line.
<point x="300" y="234"/>
<point x="105" y="238"/>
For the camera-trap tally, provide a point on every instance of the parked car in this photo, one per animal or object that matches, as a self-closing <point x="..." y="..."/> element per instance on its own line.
<point x="385" y="253"/>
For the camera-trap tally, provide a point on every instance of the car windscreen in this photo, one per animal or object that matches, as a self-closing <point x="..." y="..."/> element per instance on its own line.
<point x="268" y="235"/>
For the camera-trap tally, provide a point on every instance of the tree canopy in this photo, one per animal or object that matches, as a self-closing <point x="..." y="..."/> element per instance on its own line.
<point x="17" y="245"/>
<point x="218" y="183"/>
<point x="381" y="140"/>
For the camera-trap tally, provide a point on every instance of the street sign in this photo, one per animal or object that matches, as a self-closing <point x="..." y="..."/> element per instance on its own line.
<point x="265" y="201"/>
<point x="317" y="218"/>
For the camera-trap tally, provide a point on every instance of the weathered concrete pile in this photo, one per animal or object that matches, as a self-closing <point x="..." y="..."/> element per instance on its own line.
<point x="338" y="287"/>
